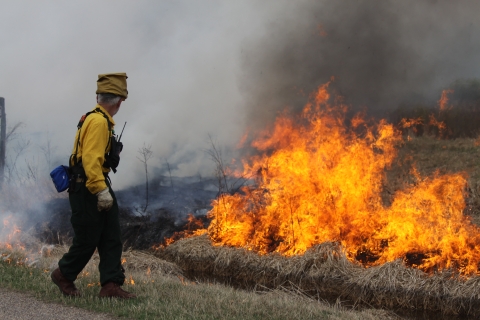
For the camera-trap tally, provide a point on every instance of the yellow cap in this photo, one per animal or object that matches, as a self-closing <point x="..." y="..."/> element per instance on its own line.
<point x="115" y="83"/>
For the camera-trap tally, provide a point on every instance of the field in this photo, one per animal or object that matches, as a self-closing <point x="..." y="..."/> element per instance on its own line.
<point x="191" y="279"/>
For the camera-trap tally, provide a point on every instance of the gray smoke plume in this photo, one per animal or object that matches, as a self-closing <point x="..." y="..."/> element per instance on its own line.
<point x="198" y="68"/>
<point x="211" y="68"/>
<point x="381" y="53"/>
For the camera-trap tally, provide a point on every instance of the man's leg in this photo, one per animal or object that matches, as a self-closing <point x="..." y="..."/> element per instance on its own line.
<point x="87" y="224"/>
<point x="112" y="274"/>
<point x="110" y="247"/>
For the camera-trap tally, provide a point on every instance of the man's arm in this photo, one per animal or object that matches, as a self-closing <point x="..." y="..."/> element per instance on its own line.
<point x="95" y="137"/>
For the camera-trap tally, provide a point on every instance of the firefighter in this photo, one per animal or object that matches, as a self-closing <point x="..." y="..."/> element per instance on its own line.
<point x="94" y="207"/>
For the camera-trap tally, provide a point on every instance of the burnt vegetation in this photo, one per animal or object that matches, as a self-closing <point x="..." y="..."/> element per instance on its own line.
<point x="168" y="213"/>
<point x="457" y="118"/>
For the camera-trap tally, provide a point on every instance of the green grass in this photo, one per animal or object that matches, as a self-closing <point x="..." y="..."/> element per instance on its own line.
<point x="162" y="296"/>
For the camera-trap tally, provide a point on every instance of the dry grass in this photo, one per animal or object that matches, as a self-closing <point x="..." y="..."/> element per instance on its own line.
<point x="430" y="155"/>
<point x="137" y="262"/>
<point x="324" y="272"/>
<point x="164" y="293"/>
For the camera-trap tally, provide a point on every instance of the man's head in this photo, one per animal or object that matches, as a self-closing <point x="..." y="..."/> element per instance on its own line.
<point x="110" y="102"/>
<point x="111" y="91"/>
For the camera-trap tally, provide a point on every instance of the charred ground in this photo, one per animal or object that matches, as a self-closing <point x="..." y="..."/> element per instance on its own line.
<point x="171" y="203"/>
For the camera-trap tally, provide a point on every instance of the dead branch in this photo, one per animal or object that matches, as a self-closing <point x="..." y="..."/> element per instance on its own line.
<point x="145" y="153"/>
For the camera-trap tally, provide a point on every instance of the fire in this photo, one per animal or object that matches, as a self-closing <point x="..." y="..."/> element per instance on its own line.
<point x="411" y="125"/>
<point x="432" y="125"/>
<point x="10" y="234"/>
<point x="319" y="177"/>
<point x="442" y="103"/>
<point x="193" y="227"/>
<point x="93" y="284"/>
<point x="440" y="125"/>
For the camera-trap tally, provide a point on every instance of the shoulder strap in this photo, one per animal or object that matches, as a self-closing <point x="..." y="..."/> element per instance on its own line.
<point x="82" y="119"/>
<point x="79" y="126"/>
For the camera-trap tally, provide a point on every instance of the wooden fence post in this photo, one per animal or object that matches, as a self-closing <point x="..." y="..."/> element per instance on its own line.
<point x="3" y="138"/>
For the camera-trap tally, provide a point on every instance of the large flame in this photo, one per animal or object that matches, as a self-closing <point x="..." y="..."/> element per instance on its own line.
<point x="318" y="180"/>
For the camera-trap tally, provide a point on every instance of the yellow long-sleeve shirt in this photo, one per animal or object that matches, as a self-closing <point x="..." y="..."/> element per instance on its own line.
<point x="94" y="139"/>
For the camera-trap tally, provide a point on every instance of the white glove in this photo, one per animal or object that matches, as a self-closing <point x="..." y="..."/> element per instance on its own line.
<point x="105" y="200"/>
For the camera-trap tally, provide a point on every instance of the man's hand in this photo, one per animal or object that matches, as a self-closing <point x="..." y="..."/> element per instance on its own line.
<point x="105" y="200"/>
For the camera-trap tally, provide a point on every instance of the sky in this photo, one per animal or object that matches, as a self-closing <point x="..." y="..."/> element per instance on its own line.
<point x="201" y="70"/>
<point x="182" y="62"/>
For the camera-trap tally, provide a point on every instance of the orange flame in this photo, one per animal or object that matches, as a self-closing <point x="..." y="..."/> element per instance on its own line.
<point x="440" y="125"/>
<point x="411" y="126"/>
<point x="193" y="227"/>
<point x="317" y="180"/>
<point x="442" y="103"/>
<point x="410" y="123"/>
<point x="10" y="234"/>
<point x="93" y="284"/>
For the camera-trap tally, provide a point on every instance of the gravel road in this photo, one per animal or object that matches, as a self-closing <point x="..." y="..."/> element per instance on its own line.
<point x="21" y="306"/>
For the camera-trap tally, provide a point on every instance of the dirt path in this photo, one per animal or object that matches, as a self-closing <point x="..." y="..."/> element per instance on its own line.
<point x="22" y="306"/>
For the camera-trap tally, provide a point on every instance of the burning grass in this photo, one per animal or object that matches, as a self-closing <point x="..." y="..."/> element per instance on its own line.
<point x="324" y="271"/>
<point x="336" y="210"/>
<point x="320" y="176"/>
<point x="430" y="156"/>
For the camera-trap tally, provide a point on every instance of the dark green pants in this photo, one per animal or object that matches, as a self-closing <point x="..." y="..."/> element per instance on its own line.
<point x="93" y="230"/>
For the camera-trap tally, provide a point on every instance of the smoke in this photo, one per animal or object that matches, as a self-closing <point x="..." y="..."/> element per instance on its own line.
<point x="181" y="58"/>
<point x="214" y="68"/>
<point x="201" y="69"/>
<point x="382" y="54"/>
